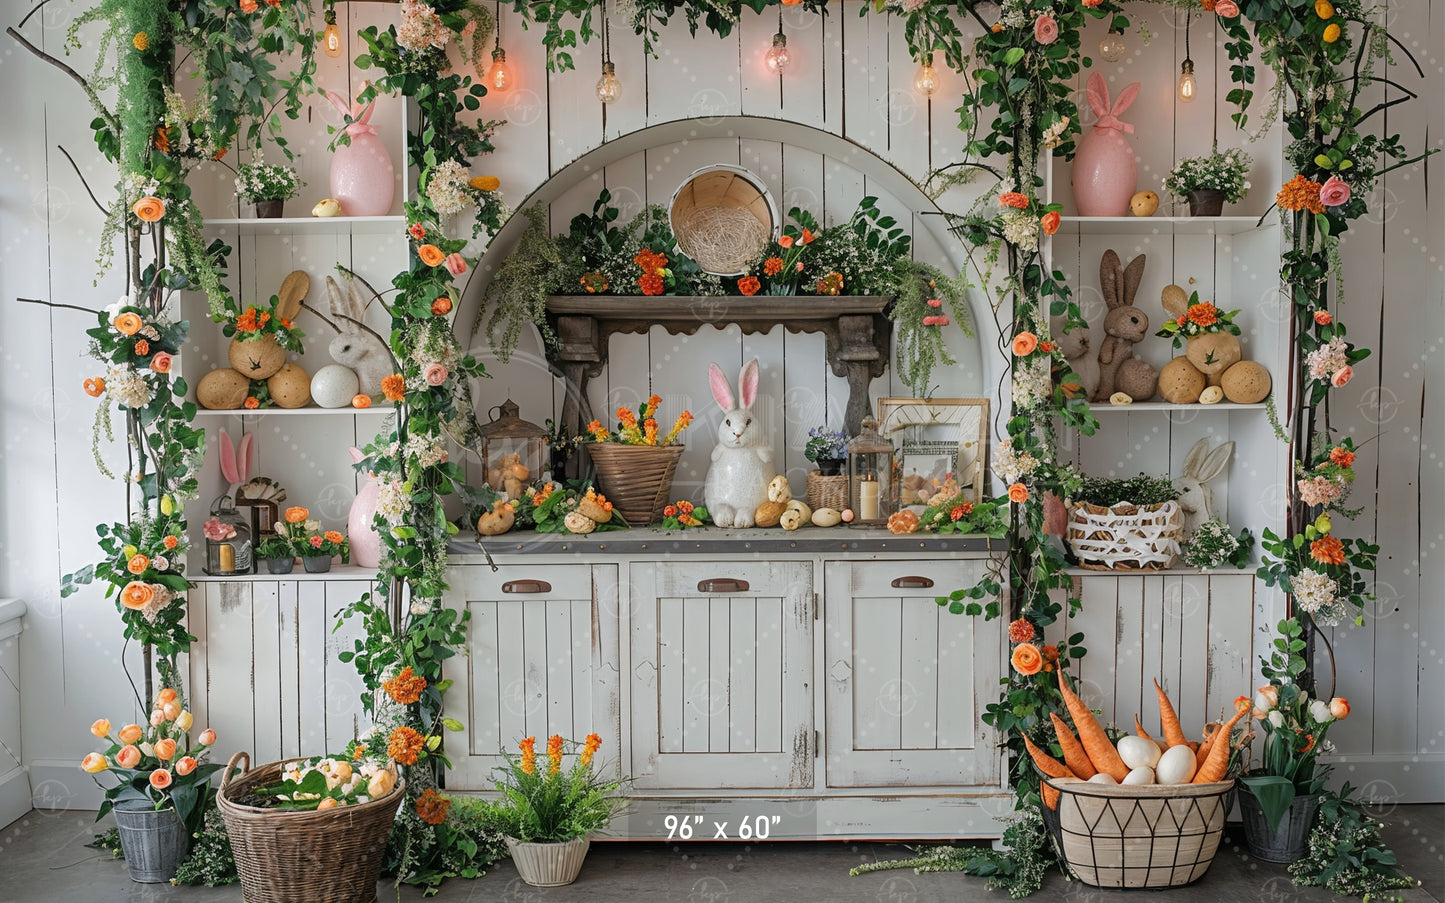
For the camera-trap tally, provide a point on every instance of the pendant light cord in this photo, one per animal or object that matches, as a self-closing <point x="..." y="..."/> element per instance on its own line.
<point x="1188" y="18"/>
<point x="497" y="31"/>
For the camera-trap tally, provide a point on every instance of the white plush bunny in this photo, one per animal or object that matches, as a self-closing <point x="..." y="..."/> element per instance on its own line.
<point x="1200" y="466"/>
<point x="353" y="346"/>
<point x="742" y="460"/>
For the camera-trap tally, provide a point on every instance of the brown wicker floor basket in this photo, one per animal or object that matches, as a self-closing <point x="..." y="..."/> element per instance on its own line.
<point x="826" y="492"/>
<point x="317" y="857"/>
<point x="635" y="478"/>
<point x="1140" y="837"/>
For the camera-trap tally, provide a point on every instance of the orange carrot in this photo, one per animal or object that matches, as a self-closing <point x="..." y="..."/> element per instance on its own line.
<point x="1102" y="754"/>
<point x="1173" y="734"/>
<point x="1202" y="752"/>
<point x="1074" y="756"/>
<point x="1139" y="729"/>
<point x="1217" y="762"/>
<point x="1049" y="766"/>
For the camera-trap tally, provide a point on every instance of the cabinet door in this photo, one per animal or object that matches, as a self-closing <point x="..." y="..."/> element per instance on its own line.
<point x="542" y="660"/>
<point x="722" y="673"/>
<point x="905" y="679"/>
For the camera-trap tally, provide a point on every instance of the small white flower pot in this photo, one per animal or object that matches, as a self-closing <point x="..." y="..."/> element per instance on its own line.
<point x="548" y="864"/>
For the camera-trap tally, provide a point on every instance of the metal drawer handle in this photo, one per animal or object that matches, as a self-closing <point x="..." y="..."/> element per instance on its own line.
<point x="912" y="583"/>
<point x="722" y="585"/>
<point x="526" y="586"/>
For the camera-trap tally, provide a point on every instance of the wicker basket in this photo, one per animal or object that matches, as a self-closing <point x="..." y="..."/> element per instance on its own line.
<point x="636" y="478"/>
<point x="1126" y="537"/>
<point x="320" y="857"/>
<point x="723" y="217"/>
<point x="1140" y="837"/>
<point x="826" y="492"/>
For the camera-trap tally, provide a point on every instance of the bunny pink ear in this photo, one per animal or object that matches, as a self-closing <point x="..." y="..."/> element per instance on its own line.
<point x="722" y="393"/>
<point x="1099" y="94"/>
<point x="244" y="457"/>
<point x="357" y="455"/>
<point x="1126" y="97"/>
<point x="228" y="457"/>
<point x="339" y="103"/>
<point x="748" y="383"/>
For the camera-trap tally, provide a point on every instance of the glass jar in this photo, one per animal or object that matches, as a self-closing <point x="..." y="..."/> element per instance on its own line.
<point x="228" y="540"/>
<point x="870" y="475"/>
<point x="514" y="451"/>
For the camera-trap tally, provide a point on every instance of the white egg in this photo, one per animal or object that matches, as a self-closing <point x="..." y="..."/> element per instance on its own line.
<point x="1102" y="778"/>
<point x="1138" y="752"/>
<point x="1176" y="766"/>
<point x="1142" y="775"/>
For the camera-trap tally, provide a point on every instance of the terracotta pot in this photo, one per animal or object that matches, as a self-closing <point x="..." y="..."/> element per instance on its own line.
<point x="1206" y="203"/>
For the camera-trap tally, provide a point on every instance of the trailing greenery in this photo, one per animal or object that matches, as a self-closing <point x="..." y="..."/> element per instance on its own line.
<point x="210" y="861"/>
<point x="1140" y="490"/>
<point x="1018" y="868"/>
<point x="1346" y="854"/>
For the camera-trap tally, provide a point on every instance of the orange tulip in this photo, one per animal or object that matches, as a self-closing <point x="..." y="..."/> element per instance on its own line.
<point x="166" y="749"/>
<point x="186" y="765"/>
<point x="94" y="763"/>
<point x="101" y="727"/>
<point x="127" y="323"/>
<point x="430" y="255"/>
<point x="149" y="209"/>
<point x="131" y="733"/>
<point x="1340" y="707"/>
<point x="136" y="595"/>
<point x="1050" y="222"/>
<point x="207" y="737"/>
<point x="128" y="756"/>
<point x="1027" y="659"/>
<point x="161" y="778"/>
<point x="166" y="695"/>
<point x="171" y="711"/>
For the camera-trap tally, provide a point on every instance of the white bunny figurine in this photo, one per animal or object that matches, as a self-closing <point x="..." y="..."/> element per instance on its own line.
<point x="354" y="346"/>
<point x="1200" y="466"/>
<point x="742" y="460"/>
<point x="1075" y="347"/>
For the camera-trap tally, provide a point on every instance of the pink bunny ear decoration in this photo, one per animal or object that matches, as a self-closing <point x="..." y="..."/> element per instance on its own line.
<point x="357" y="455"/>
<point x="244" y="457"/>
<point x="228" y="457"/>
<point x="1099" y="103"/>
<point x="748" y="383"/>
<point x="722" y="393"/>
<point x="360" y="116"/>
<point x="1098" y="92"/>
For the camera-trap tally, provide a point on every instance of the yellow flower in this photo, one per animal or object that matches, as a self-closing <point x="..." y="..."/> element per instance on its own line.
<point x="485" y="183"/>
<point x="1332" y="33"/>
<point x="141" y="40"/>
<point x="1324" y="9"/>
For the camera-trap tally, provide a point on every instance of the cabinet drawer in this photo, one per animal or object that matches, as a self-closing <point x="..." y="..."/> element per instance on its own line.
<point x="525" y="583"/>
<point x="910" y="578"/>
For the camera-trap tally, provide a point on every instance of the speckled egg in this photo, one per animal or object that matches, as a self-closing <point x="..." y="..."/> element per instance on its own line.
<point x="1247" y="382"/>
<point x="1180" y="382"/>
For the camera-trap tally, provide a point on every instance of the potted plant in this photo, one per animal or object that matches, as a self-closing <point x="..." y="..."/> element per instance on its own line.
<point x="1281" y="796"/>
<point x="277" y="553"/>
<point x="546" y="811"/>
<point x="1211" y="180"/>
<point x="162" y="787"/>
<point x="268" y="186"/>
<point x="636" y="461"/>
<point x="828" y="449"/>
<point x="1132" y="524"/>
<point x="320" y="547"/>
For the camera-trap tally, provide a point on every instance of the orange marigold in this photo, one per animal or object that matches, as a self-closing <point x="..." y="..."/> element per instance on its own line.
<point x="749" y="285"/>
<point x="142" y="347"/>
<point x="431" y="807"/>
<point x="685" y="506"/>
<point x="772" y="266"/>
<point x="651" y="284"/>
<point x="405" y="687"/>
<point x="1020" y="631"/>
<point x="1300" y="193"/>
<point x="333" y="536"/>
<point x="441" y="306"/>
<point x="1342" y="456"/>
<point x="393" y="387"/>
<point x="1203" y="314"/>
<point x="252" y="403"/>
<point x="405" y="745"/>
<point x="1328" y="550"/>
<point x="1013" y="199"/>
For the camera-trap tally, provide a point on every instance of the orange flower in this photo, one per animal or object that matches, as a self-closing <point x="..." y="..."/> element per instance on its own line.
<point x="1340" y="707"/>
<point x="127" y="323"/>
<point x="1051" y="653"/>
<point x="249" y="6"/>
<point x="1203" y="314"/>
<point x="431" y="807"/>
<point x="166" y="749"/>
<point x="94" y="763"/>
<point x="166" y="695"/>
<point x="149" y="209"/>
<point x="170" y="542"/>
<point x="588" y="749"/>
<point x="1300" y="193"/>
<point x="1328" y="550"/>
<point x="94" y="386"/>
<point x="772" y="266"/>
<point x="485" y="183"/>
<point x="162" y="362"/>
<point x="360" y="401"/>
<point x="685" y="506"/>
<point x="405" y="745"/>
<point x="1020" y="631"/>
<point x="393" y="387"/>
<point x="1050" y="222"/>
<point x="137" y="564"/>
<point x="1025" y="343"/>
<point x="430" y="255"/>
<point x="1027" y="660"/>
<point x="1323" y="317"/>
<point x="333" y="536"/>
<point x="1018" y="492"/>
<point x="669" y="511"/>
<point x="186" y="765"/>
<point x="141" y="41"/>
<point x="128" y="756"/>
<point x="808" y="237"/>
<point x="296" y="515"/>
<point x="749" y="285"/>
<point x="162" y="140"/>
<point x="131" y="733"/>
<point x="252" y="402"/>
<point x="785" y="241"/>
<point x="529" y="754"/>
<point x="406" y="687"/>
<point x="1342" y="456"/>
<point x="441" y="306"/>
<point x="652" y="284"/>
<point x="100" y="727"/>
<point x="142" y="347"/>
<point x="554" y="753"/>
<point x="136" y="595"/>
<point x="1013" y="199"/>
<point x="161" y="778"/>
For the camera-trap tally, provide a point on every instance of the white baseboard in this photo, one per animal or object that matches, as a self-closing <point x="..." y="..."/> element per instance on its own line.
<point x="1391" y="779"/>
<point x="14" y="796"/>
<point x="60" y="784"/>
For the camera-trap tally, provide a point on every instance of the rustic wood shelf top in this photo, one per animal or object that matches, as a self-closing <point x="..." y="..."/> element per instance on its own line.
<point x="716" y="541"/>
<point x="700" y="309"/>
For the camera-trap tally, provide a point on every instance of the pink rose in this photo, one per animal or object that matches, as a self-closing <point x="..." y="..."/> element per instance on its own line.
<point x="161" y="361"/>
<point x="455" y="264"/>
<point x="315" y="542"/>
<point x="1046" y="30"/>
<point x="1090" y="4"/>
<point x="934" y="302"/>
<point x="1342" y="376"/>
<point x="435" y="374"/>
<point x="1334" y="192"/>
<point x="1226" y="9"/>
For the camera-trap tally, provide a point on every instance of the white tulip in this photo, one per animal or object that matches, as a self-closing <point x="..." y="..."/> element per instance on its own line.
<point x="1276" y="718"/>
<point x="1320" y="712"/>
<point x="1262" y="702"/>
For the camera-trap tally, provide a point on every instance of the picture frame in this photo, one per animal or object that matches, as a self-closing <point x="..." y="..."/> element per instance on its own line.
<point x="931" y="433"/>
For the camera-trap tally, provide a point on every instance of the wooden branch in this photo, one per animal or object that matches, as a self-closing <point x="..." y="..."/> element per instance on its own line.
<point x="81" y="176"/>
<point x="384" y="343"/>
<point x="105" y="114"/>
<point x="57" y="304"/>
<point x="322" y="316"/>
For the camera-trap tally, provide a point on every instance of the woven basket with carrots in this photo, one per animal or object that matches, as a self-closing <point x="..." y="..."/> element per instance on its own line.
<point x="1142" y="813"/>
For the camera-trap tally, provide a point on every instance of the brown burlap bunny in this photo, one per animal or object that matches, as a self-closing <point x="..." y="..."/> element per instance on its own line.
<point x="1125" y="324"/>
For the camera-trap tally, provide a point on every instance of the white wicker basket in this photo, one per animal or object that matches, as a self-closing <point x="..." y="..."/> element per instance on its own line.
<point x="1126" y="537"/>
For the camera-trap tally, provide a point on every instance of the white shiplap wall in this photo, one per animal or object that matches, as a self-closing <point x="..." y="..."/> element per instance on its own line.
<point x="851" y="77"/>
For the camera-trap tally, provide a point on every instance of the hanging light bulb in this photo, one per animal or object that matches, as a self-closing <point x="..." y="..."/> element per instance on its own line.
<point x="1112" y="46"/>
<point x="1186" y="81"/>
<point x="925" y="81"/>
<point x="608" y="86"/>
<point x="778" y="56"/>
<point x="499" y="76"/>
<point x="331" y="37"/>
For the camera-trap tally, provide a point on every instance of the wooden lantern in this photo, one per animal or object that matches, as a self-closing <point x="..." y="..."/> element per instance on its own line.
<point x="870" y="475"/>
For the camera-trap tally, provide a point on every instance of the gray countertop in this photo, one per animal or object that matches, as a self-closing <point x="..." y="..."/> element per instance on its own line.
<point x="716" y="541"/>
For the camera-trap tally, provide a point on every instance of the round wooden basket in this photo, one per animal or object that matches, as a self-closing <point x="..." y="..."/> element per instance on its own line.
<point x="723" y="216"/>
<point x="1126" y="537"/>
<point x="826" y="492"/>
<point x="635" y="478"/>
<point x="1149" y="837"/>
<point x="320" y="857"/>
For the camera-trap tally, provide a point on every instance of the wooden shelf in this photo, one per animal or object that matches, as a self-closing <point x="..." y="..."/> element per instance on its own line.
<point x="321" y="225"/>
<point x="1167" y="572"/>
<point x="1161" y="225"/>
<point x="337" y="572"/>
<point x="308" y="411"/>
<point x="1141" y="406"/>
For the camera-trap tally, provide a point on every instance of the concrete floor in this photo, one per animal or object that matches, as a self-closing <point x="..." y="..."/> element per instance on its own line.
<point x="43" y="857"/>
